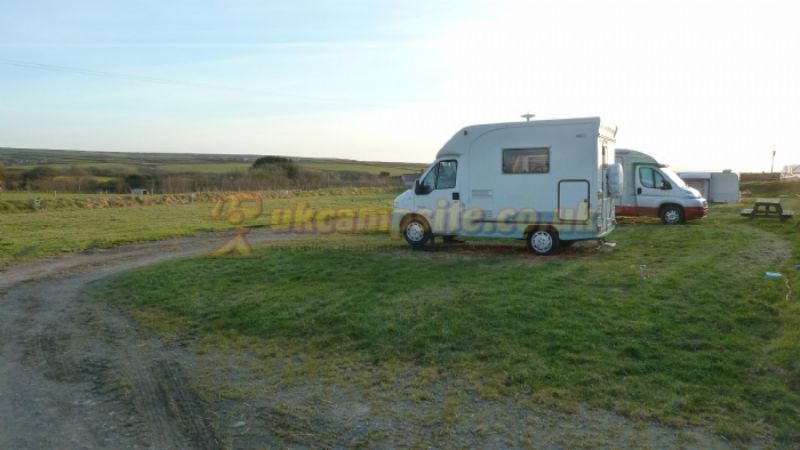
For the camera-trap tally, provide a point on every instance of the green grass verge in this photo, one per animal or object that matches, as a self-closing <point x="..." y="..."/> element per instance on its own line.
<point x="87" y="222"/>
<point x="701" y="339"/>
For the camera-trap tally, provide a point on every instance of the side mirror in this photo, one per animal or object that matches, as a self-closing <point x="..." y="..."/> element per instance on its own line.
<point x="421" y="189"/>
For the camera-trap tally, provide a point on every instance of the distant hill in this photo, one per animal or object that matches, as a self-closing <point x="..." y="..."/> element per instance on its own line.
<point x="186" y="163"/>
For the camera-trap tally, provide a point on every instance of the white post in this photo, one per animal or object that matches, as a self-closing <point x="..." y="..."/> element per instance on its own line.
<point x="772" y="167"/>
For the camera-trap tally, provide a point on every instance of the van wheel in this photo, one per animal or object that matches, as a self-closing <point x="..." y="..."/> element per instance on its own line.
<point x="416" y="232"/>
<point x="672" y="215"/>
<point x="543" y="241"/>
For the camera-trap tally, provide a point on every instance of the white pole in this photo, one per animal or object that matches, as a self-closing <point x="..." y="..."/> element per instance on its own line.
<point x="772" y="167"/>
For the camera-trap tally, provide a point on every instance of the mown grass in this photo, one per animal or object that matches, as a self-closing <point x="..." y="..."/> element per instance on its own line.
<point x="677" y="324"/>
<point x="71" y="228"/>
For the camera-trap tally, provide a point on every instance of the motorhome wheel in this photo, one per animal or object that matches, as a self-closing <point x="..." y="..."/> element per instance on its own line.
<point x="416" y="232"/>
<point x="543" y="242"/>
<point x="672" y="215"/>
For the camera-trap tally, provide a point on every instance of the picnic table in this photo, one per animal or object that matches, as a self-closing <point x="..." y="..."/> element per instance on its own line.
<point x="767" y="207"/>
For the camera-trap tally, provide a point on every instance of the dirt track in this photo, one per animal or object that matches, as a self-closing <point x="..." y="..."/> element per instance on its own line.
<point x="78" y="374"/>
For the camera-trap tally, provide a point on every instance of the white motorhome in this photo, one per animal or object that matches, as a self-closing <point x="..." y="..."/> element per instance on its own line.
<point x="551" y="182"/>
<point x="653" y="189"/>
<point x="716" y="187"/>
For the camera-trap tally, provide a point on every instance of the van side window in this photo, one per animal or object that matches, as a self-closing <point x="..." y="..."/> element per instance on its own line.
<point x="526" y="160"/>
<point x="446" y="176"/>
<point x="651" y="178"/>
<point x="646" y="177"/>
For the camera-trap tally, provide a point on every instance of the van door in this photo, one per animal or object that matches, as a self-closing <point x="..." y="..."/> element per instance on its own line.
<point x="626" y="201"/>
<point x="605" y="201"/>
<point x="573" y="200"/>
<point x="437" y="196"/>
<point x="651" y="188"/>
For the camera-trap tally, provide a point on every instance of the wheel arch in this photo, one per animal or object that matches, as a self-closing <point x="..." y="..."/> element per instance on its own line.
<point x="542" y="226"/>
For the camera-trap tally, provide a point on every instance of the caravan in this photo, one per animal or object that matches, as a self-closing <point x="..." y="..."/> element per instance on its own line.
<point x="716" y="187"/>
<point x="653" y="189"/>
<point x="550" y="182"/>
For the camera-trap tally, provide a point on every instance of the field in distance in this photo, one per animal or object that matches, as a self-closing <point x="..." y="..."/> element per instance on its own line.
<point x="181" y="163"/>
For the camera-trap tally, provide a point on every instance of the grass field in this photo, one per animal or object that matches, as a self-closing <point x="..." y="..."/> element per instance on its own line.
<point x="82" y="222"/>
<point x="28" y="196"/>
<point x="223" y="167"/>
<point x="368" y="167"/>
<point x="128" y="163"/>
<point x="675" y="325"/>
<point x="789" y="189"/>
<point x="34" y="156"/>
<point x="115" y="167"/>
<point x="204" y="167"/>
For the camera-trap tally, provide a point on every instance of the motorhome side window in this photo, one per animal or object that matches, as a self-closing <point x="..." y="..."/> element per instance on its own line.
<point x="526" y="160"/>
<point x="442" y="176"/>
<point x="651" y="178"/>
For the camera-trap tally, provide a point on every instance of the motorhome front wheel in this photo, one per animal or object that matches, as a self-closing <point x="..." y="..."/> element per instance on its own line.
<point x="543" y="242"/>
<point x="672" y="215"/>
<point x="416" y="232"/>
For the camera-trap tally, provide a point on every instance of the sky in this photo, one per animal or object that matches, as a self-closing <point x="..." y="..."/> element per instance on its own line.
<point x="702" y="85"/>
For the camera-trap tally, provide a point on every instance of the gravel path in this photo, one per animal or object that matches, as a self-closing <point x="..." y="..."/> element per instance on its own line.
<point x="78" y="374"/>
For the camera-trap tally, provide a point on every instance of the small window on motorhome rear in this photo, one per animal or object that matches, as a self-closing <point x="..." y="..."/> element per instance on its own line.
<point x="526" y="160"/>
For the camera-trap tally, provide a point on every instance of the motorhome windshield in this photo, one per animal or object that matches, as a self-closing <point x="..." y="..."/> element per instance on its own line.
<point x="428" y="169"/>
<point x="673" y="177"/>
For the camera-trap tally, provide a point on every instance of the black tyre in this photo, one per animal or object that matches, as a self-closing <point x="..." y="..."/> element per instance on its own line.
<point x="416" y="232"/>
<point x="543" y="241"/>
<point x="672" y="215"/>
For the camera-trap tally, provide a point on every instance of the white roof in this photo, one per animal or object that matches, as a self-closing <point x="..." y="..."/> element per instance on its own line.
<point x="695" y="175"/>
<point x="636" y="155"/>
<point x="467" y="135"/>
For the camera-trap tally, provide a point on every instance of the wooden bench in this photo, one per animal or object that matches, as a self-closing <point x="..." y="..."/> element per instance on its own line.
<point x="767" y="207"/>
